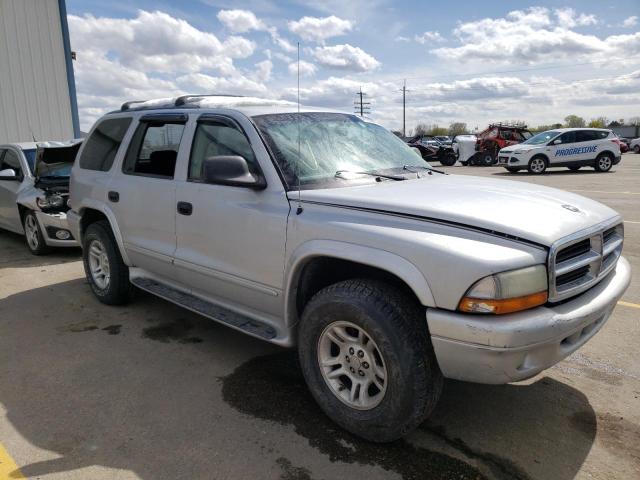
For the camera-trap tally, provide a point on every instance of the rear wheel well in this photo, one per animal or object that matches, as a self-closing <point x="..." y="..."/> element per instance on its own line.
<point x="90" y="216"/>
<point x="320" y="272"/>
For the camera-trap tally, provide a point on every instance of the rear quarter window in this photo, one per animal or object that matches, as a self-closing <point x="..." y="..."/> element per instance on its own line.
<point x="102" y="145"/>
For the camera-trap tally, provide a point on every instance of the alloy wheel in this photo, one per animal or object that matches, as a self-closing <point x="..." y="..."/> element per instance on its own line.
<point x="99" y="264"/>
<point x="31" y="232"/>
<point x="352" y="365"/>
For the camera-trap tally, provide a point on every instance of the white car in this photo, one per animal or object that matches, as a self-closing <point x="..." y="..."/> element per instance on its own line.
<point x="563" y="147"/>
<point x="635" y="145"/>
<point x="34" y="188"/>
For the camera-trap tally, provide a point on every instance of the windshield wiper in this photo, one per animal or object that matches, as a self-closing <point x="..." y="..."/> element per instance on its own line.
<point x="373" y="174"/>
<point x="429" y="170"/>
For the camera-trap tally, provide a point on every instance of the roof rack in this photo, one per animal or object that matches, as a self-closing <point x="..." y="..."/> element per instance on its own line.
<point x="181" y="101"/>
<point x="508" y="125"/>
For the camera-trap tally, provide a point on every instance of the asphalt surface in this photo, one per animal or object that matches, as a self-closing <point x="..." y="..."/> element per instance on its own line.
<point x="152" y="391"/>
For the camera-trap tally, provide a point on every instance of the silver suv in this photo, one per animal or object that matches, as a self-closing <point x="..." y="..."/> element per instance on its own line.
<point x="316" y="229"/>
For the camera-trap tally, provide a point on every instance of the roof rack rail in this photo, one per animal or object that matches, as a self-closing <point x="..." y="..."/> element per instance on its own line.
<point x="182" y="100"/>
<point x="508" y="125"/>
<point x="127" y="105"/>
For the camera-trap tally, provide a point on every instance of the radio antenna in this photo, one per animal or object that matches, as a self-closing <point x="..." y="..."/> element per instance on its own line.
<point x="299" y="209"/>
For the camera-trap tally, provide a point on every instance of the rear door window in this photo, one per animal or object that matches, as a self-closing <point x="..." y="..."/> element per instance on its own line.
<point x="586" y="135"/>
<point x="154" y="148"/>
<point x="102" y="145"/>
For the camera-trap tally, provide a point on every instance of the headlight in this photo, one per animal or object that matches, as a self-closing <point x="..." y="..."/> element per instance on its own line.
<point x="507" y="292"/>
<point x="50" y="201"/>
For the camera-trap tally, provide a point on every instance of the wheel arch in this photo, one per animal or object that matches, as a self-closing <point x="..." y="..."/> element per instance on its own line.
<point x="319" y="263"/>
<point x="93" y="213"/>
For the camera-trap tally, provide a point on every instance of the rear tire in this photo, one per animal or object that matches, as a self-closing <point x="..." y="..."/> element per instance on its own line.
<point x="33" y="234"/>
<point x="396" y="352"/>
<point x="106" y="272"/>
<point x="537" y="165"/>
<point x="636" y="148"/>
<point x="487" y="159"/>
<point x="604" y="162"/>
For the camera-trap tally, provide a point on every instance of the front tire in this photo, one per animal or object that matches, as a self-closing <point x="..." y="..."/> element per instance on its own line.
<point x="106" y="272"/>
<point x="448" y="160"/>
<point x="33" y="234"/>
<point x="636" y="148"/>
<point x="367" y="358"/>
<point x="604" y="162"/>
<point x="537" y="165"/>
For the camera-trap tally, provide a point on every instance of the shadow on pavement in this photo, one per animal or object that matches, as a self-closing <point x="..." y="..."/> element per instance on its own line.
<point x="166" y="394"/>
<point x="15" y="253"/>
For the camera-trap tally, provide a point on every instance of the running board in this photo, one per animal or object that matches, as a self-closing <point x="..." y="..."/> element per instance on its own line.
<point x="207" y="309"/>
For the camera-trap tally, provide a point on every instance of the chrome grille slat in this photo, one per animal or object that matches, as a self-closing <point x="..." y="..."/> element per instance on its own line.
<point x="578" y="262"/>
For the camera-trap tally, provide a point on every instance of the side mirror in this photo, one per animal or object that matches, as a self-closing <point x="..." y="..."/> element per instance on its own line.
<point x="8" y="174"/>
<point x="557" y="141"/>
<point x="230" y="170"/>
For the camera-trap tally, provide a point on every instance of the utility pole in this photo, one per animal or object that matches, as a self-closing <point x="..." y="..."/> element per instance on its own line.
<point x="361" y="107"/>
<point x="404" y="108"/>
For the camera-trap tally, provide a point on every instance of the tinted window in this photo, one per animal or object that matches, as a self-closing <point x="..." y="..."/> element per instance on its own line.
<point x="101" y="147"/>
<point x="11" y="160"/>
<point x="586" y="135"/>
<point x="569" y="137"/>
<point x="601" y="134"/>
<point x="154" y="150"/>
<point x="213" y="139"/>
<point x="30" y="155"/>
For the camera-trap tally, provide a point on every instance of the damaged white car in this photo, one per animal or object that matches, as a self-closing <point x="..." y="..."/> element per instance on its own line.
<point x="34" y="189"/>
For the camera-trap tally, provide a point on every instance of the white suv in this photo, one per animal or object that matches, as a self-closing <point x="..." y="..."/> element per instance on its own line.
<point x="563" y="147"/>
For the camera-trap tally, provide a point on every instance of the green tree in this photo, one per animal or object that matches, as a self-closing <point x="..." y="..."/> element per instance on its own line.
<point x="457" y="128"/>
<point x="574" y="121"/>
<point x="600" y="122"/>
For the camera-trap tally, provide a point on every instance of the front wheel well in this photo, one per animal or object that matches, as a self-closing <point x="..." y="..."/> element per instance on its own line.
<point x="89" y="216"/>
<point x="320" y="272"/>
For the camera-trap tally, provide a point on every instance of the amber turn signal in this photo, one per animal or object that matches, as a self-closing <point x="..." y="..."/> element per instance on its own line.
<point x="502" y="306"/>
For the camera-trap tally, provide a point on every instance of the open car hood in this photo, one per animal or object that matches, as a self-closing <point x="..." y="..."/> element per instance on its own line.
<point x="51" y="155"/>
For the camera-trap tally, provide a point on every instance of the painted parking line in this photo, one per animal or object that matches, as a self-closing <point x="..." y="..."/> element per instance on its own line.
<point x="629" y="304"/>
<point x="8" y="468"/>
<point x="629" y="221"/>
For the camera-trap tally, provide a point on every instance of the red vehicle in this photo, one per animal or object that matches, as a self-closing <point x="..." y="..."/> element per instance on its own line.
<point x="495" y="137"/>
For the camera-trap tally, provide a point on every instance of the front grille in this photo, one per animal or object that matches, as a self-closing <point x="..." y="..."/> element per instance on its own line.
<point x="582" y="260"/>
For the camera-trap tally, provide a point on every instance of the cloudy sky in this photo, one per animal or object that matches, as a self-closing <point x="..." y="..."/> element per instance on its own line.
<point x="538" y="63"/>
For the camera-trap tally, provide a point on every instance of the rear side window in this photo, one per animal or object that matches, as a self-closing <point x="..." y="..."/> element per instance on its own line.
<point x="102" y="145"/>
<point x="154" y="149"/>
<point x="586" y="135"/>
<point x="602" y="134"/>
<point x="215" y="139"/>
<point x="11" y="160"/>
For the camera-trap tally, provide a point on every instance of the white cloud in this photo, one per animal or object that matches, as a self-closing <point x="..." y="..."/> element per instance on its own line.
<point x="630" y="22"/>
<point x="532" y="35"/>
<point x="345" y="57"/>
<point x="334" y="92"/>
<point x="239" y="84"/>
<point x="314" y="29"/>
<point x="568" y="18"/>
<point x="307" y="69"/>
<point x="400" y="38"/>
<point x="429" y="37"/>
<point x="240" y="21"/>
<point x="473" y="89"/>
<point x="263" y="70"/>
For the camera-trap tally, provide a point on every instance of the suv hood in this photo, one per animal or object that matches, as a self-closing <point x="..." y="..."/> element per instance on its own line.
<point x="530" y="212"/>
<point x="520" y="148"/>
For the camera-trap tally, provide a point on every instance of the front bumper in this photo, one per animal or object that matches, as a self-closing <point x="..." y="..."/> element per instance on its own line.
<point x="51" y="222"/>
<point x="513" y="347"/>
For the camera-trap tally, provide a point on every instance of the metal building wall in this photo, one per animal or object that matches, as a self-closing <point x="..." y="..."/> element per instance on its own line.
<point x="37" y="90"/>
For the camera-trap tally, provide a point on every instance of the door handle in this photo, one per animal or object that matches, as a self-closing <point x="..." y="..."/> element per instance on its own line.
<point x="185" y="208"/>
<point x="113" y="196"/>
